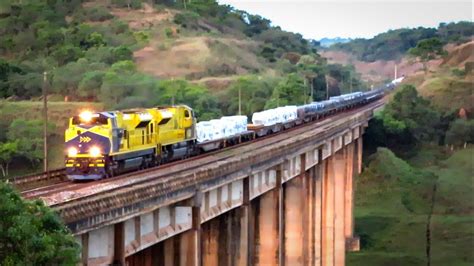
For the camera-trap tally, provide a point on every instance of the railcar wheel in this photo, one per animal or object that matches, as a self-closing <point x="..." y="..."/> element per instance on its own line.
<point x="109" y="172"/>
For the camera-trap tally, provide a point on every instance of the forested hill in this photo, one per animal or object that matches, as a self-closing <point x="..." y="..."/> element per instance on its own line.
<point x="394" y="44"/>
<point x="117" y="54"/>
<point x="125" y="52"/>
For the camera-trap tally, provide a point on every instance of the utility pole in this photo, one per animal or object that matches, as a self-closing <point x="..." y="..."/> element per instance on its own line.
<point x="395" y="74"/>
<point x="305" y="93"/>
<point x="45" y="117"/>
<point x="327" y="87"/>
<point x="350" y="80"/>
<point x="240" y="101"/>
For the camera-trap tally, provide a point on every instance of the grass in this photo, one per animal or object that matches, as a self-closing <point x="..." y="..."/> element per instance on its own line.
<point x="58" y="112"/>
<point x="393" y="200"/>
<point x="453" y="218"/>
<point x="448" y="91"/>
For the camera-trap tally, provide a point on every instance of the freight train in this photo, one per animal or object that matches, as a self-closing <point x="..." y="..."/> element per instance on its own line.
<point x="104" y="144"/>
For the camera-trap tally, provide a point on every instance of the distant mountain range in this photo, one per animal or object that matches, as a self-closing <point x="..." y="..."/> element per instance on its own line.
<point x="326" y="42"/>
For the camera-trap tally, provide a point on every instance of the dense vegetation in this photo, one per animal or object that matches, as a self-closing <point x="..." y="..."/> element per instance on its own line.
<point x="396" y="197"/>
<point x="409" y="120"/>
<point x="32" y="234"/>
<point x="88" y="54"/>
<point x="395" y="43"/>
<point x="22" y="139"/>
<point x="415" y="194"/>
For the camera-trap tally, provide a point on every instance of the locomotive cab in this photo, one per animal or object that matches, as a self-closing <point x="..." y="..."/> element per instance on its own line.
<point x="106" y="143"/>
<point x="89" y="138"/>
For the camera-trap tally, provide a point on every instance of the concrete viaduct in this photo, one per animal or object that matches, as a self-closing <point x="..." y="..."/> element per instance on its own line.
<point x="283" y="200"/>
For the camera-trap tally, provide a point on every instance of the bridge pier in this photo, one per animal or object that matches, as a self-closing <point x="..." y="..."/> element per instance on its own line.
<point x="339" y="206"/>
<point x="319" y="169"/>
<point x="295" y="246"/>
<point x="297" y="210"/>
<point x="266" y="228"/>
<point x="327" y="245"/>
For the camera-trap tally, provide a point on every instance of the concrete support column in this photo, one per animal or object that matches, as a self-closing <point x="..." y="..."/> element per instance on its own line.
<point x="328" y="213"/>
<point x="339" y="208"/>
<point x="318" y="186"/>
<point x="310" y="216"/>
<point x="85" y="248"/>
<point x="169" y="251"/>
<point x="266" y="235"/>
<point x="210" y="242"/>
<point x="119" y="244"/>
<point x="296" y="248"/>
<point x="281" y="217"/>
<point x="190" y="241"/>
<point x="244" y="256"/>
<point x="349" y="192"/>
<point x="359" y="155"/>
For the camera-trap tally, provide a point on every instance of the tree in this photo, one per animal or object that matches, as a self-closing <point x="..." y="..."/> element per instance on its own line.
<point x="66" y="78"/>
<point x="426" y="50"/>
<point x="32" y="234"/>
<point x="408" y="111"/>
<point x="309" y="69"/>
<point x="29" y="136"/>
<point x="67" y="53"/>
<point x="290" y="91"/>
<point x="183" y="92"/>
<point x="461" y="131"/>
<point x="7" y="151"/>
<point x="255" y="91"/>
<point x="90" y="84"/>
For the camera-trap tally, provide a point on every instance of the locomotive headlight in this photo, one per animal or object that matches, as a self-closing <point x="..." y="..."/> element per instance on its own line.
<point x="86" y="116"/>
<point x="72" y="152"/>
<point x="94" y="151"/>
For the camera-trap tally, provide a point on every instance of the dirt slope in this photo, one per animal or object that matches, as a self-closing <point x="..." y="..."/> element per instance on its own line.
<point x="380" y="70"/>
<point x="459" y="55"/>
<point x="188" y="54"/>
<point x="198" y="57"/>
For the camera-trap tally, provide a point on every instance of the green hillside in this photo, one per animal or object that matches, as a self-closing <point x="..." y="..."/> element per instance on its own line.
<point x="393" y="44"/>
<point x="394" y="200"/>
<point x="123" y="54"/>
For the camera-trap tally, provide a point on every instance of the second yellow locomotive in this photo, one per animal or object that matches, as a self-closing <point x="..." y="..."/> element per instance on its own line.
<point x="103" y="144"/>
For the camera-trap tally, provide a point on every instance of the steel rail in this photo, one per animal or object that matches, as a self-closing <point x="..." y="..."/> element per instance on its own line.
<point x="42" y="184"/>
<point x="161" y="184"/>
<point x="35" y="180"/>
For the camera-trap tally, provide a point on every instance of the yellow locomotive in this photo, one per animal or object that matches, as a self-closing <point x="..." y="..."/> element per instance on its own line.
<point x="106" y="143"/>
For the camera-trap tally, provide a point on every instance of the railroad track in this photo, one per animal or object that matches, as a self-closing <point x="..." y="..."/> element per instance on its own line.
<point x="131" y="195"/>
<point x="37" y="180"/>
<point x="56" y="188"/>
<point x="169" y="174"/>
<point x="175" y="166"/>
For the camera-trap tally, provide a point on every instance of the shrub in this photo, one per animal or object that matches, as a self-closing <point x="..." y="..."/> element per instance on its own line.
<point x="169" y="32"/>
<point x="97" y="14"/>
<point x="135" y="4"/>
<point x="32" y="233"/>
<point x="186" y="19"/>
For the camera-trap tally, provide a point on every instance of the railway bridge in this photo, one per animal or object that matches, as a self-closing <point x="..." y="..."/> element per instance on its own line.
<point x="286" y="199"/>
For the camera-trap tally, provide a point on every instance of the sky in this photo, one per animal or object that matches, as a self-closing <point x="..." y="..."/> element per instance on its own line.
<point x="316" y="19"/>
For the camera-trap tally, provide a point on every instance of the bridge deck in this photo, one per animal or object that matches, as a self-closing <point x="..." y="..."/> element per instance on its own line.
<point x="86" y="206"/>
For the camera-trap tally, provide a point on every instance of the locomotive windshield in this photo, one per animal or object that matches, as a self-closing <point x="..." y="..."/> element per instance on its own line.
<point x="100" y="120"/>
